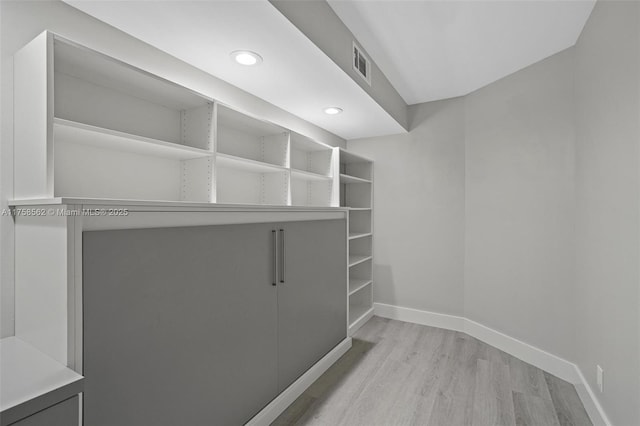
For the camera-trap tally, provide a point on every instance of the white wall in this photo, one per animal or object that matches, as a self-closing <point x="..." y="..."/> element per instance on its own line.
<point x="551" y="207"/>
<point x="473" y="209"/>
<point x="6" y="183"/>
<point x="607" y="87"/>
<point x="23" y="20"/>
<point x="419" y="209"/>
<point x="519" y="205"/>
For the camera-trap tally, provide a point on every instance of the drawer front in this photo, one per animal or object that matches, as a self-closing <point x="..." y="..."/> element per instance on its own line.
<point x="64" y="413"/>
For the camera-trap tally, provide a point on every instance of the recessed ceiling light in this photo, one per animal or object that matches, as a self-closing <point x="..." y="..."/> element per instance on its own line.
<point x="332" y="110"/>
<point x="246" y="57"/>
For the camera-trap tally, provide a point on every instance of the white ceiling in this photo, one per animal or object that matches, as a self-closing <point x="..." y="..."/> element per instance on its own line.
<point x="432" y="50"/>
<point x="428" y="49"/>
<point x="295" y="75"/>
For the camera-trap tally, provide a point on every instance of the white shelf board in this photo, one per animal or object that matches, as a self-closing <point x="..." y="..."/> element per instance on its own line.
<point x="355" y="235"/>
<point x="85" y="134"/>
<point x="347" y="157"/>
<point x="352" y="179"/>
<point x="355" y="259"/>
<point x="302" y="174"/>
<point x="245" y="164"/>
<point x="105" y="71"/>
<point x="304" y="143"/>
<point x="359" y="208"/>
<point x="357" y="312"/>
<point x="356" y="285"/>
<point x="27" y="374"/>
<point x="246" y="123"/>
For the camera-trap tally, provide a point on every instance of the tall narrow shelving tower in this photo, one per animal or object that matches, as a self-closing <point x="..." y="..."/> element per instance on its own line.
<point x="356" y="193"/>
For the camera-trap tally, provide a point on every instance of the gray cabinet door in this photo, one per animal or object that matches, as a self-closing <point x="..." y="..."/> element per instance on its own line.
<point x="312" y="301"/>
<point x="180" y="325"/>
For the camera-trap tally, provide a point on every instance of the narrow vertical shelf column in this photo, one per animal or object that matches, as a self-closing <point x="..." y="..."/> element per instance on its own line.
<point x="355" y="180"/>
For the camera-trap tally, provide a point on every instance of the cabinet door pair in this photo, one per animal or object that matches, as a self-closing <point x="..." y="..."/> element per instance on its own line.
<point x="184" y="325"/>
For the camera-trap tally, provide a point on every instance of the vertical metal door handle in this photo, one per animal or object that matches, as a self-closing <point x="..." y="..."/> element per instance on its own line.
<point x="282" y="256"/>
<point x="274" y="253"/>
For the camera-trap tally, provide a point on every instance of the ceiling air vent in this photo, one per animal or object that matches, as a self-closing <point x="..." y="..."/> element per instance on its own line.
<point x="361" y="64"/>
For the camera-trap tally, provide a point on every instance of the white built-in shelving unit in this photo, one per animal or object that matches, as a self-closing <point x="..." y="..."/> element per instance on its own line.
<point x="90" y="126"/>
<point x="90" y="130"/>
<point x="356" y="192"/>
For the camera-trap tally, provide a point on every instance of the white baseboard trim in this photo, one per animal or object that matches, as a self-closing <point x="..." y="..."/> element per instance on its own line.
<point x="546" y="361"/>
<point x="271" y="412"/>
<point x="432" y="319"/>
<point x="590" y="401"/>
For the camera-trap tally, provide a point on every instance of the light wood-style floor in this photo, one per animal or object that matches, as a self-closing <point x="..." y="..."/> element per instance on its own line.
<point x="399" y="373"/>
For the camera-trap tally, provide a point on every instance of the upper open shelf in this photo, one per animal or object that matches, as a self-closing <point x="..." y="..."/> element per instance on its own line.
<point x="96" y="90"/>
<point x="304" y="175"/>
<point x="347" y="157"/>
<point x="239" y="163"/>
<point x="102" y="128"/>
<point x="85" y="134"/>
<point x="310" y="156"/>
<point x="247" y="137"/>
<point x="88" y="65"/>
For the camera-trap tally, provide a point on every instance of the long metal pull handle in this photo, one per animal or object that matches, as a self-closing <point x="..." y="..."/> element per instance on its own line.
<point x="274" y="238"/>
<point x="282" y="256"/>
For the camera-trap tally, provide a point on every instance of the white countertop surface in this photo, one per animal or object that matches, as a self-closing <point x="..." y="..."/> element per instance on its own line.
<point x="56" y="201"/>
<point x="26" y="373"/>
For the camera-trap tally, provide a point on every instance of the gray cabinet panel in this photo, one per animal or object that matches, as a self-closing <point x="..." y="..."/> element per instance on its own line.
<point x="180" y="325"/>
<point x="312" y="304"/>
<point x="64" y="413"/>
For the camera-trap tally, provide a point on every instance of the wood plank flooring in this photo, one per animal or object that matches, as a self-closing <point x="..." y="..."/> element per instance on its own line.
<point x="399" y="373"/>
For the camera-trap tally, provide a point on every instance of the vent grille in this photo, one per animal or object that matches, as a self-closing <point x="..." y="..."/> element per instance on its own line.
<point x="361" y="64"/>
